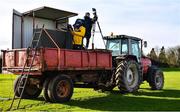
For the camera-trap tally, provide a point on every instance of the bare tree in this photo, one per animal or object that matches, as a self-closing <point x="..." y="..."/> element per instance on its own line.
<point x="153" y="55"/>
<point x="172" y="56"/>
<point x="162" y="56"/>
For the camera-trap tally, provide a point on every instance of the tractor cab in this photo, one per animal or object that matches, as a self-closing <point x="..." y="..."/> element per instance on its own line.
<point x="124" y="45"/>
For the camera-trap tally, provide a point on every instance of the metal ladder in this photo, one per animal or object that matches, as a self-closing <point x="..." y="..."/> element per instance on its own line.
<point x="24" y="76"/>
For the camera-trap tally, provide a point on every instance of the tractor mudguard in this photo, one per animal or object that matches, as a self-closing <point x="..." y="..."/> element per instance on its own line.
<point x="129" y="57"/>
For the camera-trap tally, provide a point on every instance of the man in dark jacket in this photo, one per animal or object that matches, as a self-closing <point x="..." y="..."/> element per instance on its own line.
<point x="88" y="25"/>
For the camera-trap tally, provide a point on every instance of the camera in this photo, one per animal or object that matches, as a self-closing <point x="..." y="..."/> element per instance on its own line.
<point x="94" y="11"/>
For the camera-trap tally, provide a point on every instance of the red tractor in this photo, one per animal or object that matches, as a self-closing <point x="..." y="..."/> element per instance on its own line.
<point x="130" y="67"/>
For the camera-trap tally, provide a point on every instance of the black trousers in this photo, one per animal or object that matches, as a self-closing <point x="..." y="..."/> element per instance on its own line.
<point x="87" y="40"/>
<point x="78" y="47"/>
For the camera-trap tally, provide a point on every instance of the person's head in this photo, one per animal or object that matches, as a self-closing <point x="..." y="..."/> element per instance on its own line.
<point x="87" y="14"/>
<point x="78" y="23"/>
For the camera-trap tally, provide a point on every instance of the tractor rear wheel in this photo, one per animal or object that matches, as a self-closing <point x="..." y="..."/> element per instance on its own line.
<point x="155" y="78"/>
<point x="128" y="77"/>
<point x="60" y="89"/>
<point x="30" y="91"/>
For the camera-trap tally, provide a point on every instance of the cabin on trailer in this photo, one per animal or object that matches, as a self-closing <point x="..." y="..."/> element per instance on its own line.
<point x="55" y="22"/>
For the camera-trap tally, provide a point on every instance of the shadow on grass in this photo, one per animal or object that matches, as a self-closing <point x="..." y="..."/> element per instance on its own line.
<point x="162" y="93"/>
<point x="171" y="69"/>
<point x="115" y="101"/>
<point x="40" y="98"/>
<point x="141" y="101"/>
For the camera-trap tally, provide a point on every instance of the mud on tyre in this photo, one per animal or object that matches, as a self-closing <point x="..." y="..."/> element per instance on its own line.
<point x="30" y="91"/>
<point x="60" y="89"/>
<point x="45" y="89"/>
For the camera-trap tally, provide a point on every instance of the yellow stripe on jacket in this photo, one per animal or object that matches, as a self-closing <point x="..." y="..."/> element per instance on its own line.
<point x="78" y="35"/>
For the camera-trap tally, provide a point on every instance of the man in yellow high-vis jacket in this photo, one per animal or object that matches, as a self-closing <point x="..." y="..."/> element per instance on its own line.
<point x="78" y="34"/>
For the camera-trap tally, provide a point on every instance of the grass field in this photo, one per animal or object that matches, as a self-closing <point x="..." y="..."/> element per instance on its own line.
<point x="90" y="100"/>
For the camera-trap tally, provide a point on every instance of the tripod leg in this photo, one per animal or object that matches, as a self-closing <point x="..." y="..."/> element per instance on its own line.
<point x="94" y="28"/>
<point x="101" y="33"/>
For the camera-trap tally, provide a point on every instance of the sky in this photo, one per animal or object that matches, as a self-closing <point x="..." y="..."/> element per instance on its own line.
<point x="156" y="21"/>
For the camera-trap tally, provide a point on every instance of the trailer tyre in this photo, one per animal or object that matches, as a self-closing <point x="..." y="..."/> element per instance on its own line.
<point x="155" y="78"/>
<point x="30" y="91"/>
<point x="45" y="89"/>
<point x="60" y="89"/>
<point x="128" y="77"/>
<point x="16" y="92"/>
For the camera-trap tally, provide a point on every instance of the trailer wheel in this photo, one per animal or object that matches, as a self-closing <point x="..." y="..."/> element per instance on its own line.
<point x="16" y="92"/>
<point x="128" y="76"/>
<point x="30" y="91"/>
<point x="45" y="89"/>
<point x="155" y="78"/>
<point x="60" y="89"/>
<point x="110" y="88"/>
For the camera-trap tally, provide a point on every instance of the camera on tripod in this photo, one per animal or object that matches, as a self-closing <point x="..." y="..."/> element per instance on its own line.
<point x="95" y="18"/>
<point x="94" y="12"/>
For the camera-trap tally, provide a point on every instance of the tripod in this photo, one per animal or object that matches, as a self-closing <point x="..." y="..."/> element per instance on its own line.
<point x="94" y="30"/>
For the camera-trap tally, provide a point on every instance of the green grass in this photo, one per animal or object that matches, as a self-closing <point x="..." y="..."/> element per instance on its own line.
<point x="88" y="99"/>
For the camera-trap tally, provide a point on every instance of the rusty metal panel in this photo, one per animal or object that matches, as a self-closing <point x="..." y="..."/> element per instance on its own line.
<point x="73" y="58"/>
<point x="51" y="58"/>
<point x="9" y="59"/>
<point x="85" y="59"/>
<point x="103" y="59"/>
<point x="61" y="60"/>
<point x="92" y="59"/>
<point x="20" y="58"/>
<point x="14" y="60"/>
<point x="76" y="59"/>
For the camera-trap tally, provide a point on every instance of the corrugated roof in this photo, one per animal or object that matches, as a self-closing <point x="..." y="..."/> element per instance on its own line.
<point x="50" y="13"/>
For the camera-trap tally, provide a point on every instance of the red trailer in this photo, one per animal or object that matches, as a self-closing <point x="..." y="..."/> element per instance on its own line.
<point x="71" y="66"/>
<point x="45" y="59"/>
<point x="54" y="59"/>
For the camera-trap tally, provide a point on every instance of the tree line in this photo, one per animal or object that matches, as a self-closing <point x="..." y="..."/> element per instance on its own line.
<point x="165" y="57"/>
